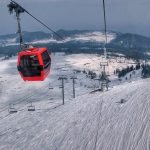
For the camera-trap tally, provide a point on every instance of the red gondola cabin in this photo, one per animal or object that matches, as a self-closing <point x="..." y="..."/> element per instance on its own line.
<point x="34" y="64"/>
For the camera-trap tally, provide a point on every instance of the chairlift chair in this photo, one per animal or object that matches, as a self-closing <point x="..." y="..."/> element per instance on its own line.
<point x="12" y="109"/>
<point x="51" y="88"/>
<point x="31" y="107"/>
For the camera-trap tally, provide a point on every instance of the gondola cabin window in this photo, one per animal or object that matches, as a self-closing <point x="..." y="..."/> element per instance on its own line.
<point x="30" y="66"/>
<point x="46" y="60"/>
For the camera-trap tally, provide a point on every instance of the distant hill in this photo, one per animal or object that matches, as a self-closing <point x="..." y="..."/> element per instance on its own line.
<point x="129" y="40"/>
<point x="78" y="41"/>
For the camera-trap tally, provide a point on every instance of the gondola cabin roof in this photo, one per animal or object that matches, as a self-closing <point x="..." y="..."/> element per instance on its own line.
<point x="32" y="51"/>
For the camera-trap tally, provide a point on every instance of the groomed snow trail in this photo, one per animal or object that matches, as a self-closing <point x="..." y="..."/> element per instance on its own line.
<point x="90" y="122"/>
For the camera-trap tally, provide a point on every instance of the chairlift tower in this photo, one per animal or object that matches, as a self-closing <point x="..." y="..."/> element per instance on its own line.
<point x="104" y="81"/>
<point x="104" y="77"/>
<point x="104" y="65"/>
<point x="73" y="80"/>
<point x="62" y="87"/>
<point x="14" y="7"/>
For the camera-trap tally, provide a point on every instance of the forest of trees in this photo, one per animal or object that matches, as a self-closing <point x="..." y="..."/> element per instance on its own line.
<point x="145" y="70"/>
<point x="90" y="74"/>
<point x="125" y="71"/>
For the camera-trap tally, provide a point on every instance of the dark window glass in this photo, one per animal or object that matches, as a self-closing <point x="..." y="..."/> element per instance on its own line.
<point x="46" y="60"/>
<point x="30" y="66"/>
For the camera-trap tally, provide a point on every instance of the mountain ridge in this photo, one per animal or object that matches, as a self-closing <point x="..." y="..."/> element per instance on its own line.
<point x="78" y="41"/>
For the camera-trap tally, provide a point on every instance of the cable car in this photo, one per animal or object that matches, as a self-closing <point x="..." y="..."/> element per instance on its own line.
<point x="34" y="64"/>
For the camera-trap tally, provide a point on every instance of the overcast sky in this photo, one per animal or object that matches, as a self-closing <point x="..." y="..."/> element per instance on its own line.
<point x="122" y="15"/>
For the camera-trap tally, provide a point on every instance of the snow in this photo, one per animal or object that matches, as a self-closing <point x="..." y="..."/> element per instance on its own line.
<point x="8" y="42"/>
<point x="44" y="41"/>
<point x="87" y="37"/>
<point x="93" y="36"/>
<point x="95" y="121"/>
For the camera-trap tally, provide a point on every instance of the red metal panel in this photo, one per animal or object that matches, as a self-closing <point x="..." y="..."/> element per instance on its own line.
<point x="38" y="52"/>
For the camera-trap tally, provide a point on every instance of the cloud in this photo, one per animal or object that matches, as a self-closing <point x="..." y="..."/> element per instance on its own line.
<point x="122" y="15"/>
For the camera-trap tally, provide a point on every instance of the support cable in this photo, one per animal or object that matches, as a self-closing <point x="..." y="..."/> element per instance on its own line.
<point x="105" y="26"/>
<point x="16" y="6"/>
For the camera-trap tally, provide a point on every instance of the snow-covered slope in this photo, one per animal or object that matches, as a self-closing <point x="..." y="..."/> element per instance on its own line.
<point x="92" y="36"/>
<point x="95" y="121"/>
<point x="44" y="38"/>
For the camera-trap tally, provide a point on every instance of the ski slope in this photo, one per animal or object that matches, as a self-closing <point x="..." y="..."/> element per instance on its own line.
<point x="90" y="122"/>
<point x="95" y="121"/>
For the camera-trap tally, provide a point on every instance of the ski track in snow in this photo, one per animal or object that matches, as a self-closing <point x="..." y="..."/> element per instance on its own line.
<point x="90" y="122"/>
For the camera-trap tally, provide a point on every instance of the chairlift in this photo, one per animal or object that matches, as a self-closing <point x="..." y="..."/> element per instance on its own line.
<point x="12" y="109"/>
<point x="120" y="60"/>
<point x="51" y="88"/>
<point x="31" y="107"/>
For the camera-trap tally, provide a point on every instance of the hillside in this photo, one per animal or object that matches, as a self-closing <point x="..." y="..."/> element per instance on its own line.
<point x="68" y="36"/>
<point x="81" y="41"/>
<point x="95" y="121"/>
